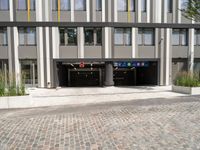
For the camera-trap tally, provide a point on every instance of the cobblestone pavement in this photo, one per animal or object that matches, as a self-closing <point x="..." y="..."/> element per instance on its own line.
<point x="143" y="124"/>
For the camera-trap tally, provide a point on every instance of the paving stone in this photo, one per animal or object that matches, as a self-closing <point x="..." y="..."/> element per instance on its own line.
<point x="149" y="125"/>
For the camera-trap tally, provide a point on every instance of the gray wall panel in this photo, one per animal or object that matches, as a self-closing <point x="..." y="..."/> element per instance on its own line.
<point x="123" y="17"/>
<point x="98" y="16"/>
<point x="65" y="16"/>
<point x="146" y="51"/>
<point x="122" y="52"/>
<point x="93" y="52"/>
<point x="144" y="17"/>
<point x="197" y="51"/>
<point x="80" y="16"/>
<point x="4" y="16"/>
<point x="68" y="52"/>
<point x="3" y="52"/>
<point x="27" y="52"/>
<point x="179" y="51"/>
<point x="23" y="16"/>
<point x="169" y="18"/>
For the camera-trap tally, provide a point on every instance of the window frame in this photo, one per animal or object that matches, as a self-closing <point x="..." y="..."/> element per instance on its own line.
<point x="197" y="37"/>
<point x="3" y="31"/>
<point x="8" y="8"/>
<point x="55" y="8"/>
<point x="85" y="5"/>
<point x="25" y="34"/>
<point x="95" y="38"/>
<point x="143" y="31"/>
<point x="66" y="36"/>
<point x="181" y="31"/>
<point x="123" y="36"/>
<point x="31" y="9"/>
<point x="126" y="10"/>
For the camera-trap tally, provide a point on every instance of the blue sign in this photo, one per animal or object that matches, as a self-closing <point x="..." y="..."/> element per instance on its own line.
<point x="131" y="64"/>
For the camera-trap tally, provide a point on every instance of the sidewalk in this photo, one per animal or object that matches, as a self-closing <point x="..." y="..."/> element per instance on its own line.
<point x="82" y="96"/>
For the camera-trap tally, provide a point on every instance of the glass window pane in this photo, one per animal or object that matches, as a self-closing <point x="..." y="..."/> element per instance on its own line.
<point x="183" y="37"/>
<point x="143" y="5"/>
<point x="22" y="5"/>
<point x="198" y="37"/>
<point x="72" y="36"/>
<point x="122" y="5"/>
<point x="175" y="37"/>
<point x="89" y="36"/>
<point x="65" y="4"/>
<point x="62" y="36"/>
<point x="21" y="36"/>
<point x="3" y="36"/>
<point x="184" y="4"/>
<point x="4" y="4"/>
<point x="140" y="33"/>
<point x="119" y="36"/>
<point x="127" y="36"/>
<point x="80" y="5"/>
<point x="31" y="36"/>
<point x="99" y="36"/>
<point x="99" y="5"/>
<point x="148" y="37"/>
<point x="32" y="4"/>
<point x="132" y="8"/>
<point x="169" y="6"/>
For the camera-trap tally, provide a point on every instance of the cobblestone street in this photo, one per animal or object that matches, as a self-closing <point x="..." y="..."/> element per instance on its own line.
<point x="139" y="124"/>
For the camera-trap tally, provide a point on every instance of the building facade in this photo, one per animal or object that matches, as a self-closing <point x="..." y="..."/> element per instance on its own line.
<point x="97" y="42"/>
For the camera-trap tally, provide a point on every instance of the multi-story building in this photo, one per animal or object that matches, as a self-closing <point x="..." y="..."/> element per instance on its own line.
<point x="97" y="42"/>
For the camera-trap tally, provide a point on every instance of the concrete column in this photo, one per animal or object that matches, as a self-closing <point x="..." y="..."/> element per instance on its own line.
<point x="157" y="11"/>
<point x="81" y="42"/>
<point x="134" y="43"/>
<point x="72" y="10"/>
<point x="103" y="10"/>
<point x="148" y="11"/>
<point x="191" y="51"/>
<point x="115" y="11"/>
<point x="138" y="11"/>
<point x="88" y="10"/>
<point x="109" y="74"/>
<point x="179" y="13"/>
<point x="108" y="41"/>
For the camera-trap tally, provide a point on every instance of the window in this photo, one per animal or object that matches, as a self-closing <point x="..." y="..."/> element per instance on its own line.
<point x="68" y="36"/>
<point x="99" y="5"/>
<point x="80" y="5"/>
<point x="144" y="6"/>
<point x="123" y="5"/>
<point x="3" y="37"/>
<point x="4" y="4"/>
<point x="197" y="37"/>
<point x="122" y="36"/>
<point x="64" y="5"/>
<point x="146" y="36"/>
<point x="184" y="4"/>
<point x="93" y="36"/>
<point x="22" y="5"/>
<point x="27" y="36"/>
<point x="169" y="6"/>
<point x="180" y="37"/>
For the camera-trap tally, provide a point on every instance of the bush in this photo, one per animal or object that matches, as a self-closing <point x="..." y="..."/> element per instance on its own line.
<point x="187" y="79"/>
<point x="9" y="88"/>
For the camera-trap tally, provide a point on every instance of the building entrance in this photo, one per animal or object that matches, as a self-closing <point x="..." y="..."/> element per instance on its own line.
<point x="84" y="77"/>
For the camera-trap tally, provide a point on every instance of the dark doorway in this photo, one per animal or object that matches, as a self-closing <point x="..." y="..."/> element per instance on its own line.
<point x="125" y="77"/>
<point x="147" y="75"/>
<point x="81" y="78"/>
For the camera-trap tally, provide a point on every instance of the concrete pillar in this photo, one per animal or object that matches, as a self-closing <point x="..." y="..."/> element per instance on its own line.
<point x="109" y="74"/>
<point x="191" y="51"/>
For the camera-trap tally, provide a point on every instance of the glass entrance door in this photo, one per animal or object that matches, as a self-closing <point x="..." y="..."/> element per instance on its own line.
<point x="29" y="72"/>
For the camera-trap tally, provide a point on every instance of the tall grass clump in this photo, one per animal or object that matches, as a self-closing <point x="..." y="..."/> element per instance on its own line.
<point x="187" y="79"/>
<point x="8" y="86"/>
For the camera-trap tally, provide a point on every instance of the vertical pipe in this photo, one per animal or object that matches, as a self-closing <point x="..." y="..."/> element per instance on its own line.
<point x="28" y="9"/>
<point x="58" y="10"/>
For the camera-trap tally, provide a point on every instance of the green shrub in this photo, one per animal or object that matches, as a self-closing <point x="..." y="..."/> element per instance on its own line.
<point x="187" y="79"/>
